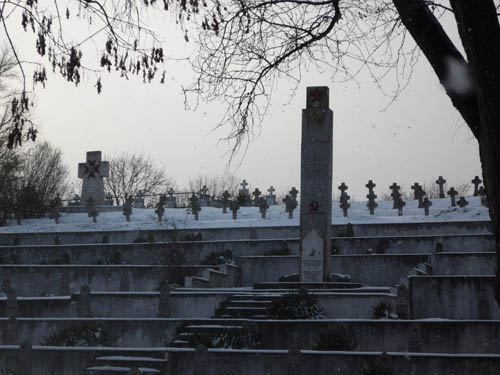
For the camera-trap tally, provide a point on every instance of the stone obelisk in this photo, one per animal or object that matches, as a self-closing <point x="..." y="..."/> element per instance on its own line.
<point x="316" y="186"/>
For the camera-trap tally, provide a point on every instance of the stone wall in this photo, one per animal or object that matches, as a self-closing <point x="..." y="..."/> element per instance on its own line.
<point x="226" y="362"/>
<point x="444" y="336"/>
<point x="267" y="232"/>
<point x="452" y="297"/>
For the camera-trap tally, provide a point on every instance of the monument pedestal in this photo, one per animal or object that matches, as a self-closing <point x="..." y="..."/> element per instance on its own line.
<point x="316" y="186"/>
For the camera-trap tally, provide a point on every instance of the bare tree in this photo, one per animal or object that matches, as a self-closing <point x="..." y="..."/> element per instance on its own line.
<point x="43" y="176"/>
<point x="131" y="173"/>
<point x="216" y="184"/>
<point x="246" y="46"/>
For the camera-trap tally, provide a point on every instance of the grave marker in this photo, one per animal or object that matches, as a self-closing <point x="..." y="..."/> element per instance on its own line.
<point x="160" y="207"/>
<point x="194" y="205"/>
<point x="235" y="206"/>
<point x="476" y="181"/>
<point x="271" y="198"/>
<point x="256" y="194"/>
<point x="290" y="205"/>
<point x="399" y="205"/>
<point x="344" y="203"/>
<point x="171" y="200"/>
<point x="316" y="186"/>
<point x="441" y="181"/>
<point x="426" y="204"/>
<point x="420" y="193"/>
<point x="294" y="193"/>
<point x="108" y="200"/>
<point x="92" y="173"/>
<point x="395" y="194"/>
<point x="204" y="197"/>
<point x="263" y="207"/>
<point x="225" y="201"/>
<point x="462" y="202"/>
<point x="452" y="193"/>
<point x="416" y="187"/>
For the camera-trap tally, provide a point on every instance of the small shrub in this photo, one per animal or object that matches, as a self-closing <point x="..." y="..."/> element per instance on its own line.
<point x="237" y="339"/>
<point x="83" y="335"/>
<point x="218" y="257"/>
<point x="337" y="339"/>
<point x="295" y="306"/>
<point x="381" y="310"/>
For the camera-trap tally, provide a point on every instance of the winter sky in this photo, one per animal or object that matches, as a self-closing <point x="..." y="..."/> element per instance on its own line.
<point x="417" y="138"/>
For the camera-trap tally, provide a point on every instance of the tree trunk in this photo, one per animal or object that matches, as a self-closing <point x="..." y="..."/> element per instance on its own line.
<point x="479" y="31"/>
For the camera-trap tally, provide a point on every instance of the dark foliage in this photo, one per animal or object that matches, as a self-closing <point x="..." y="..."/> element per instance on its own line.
<point x="295" y="306"/>
<point x="336" y="339"/>
<point x="82" y="335"/>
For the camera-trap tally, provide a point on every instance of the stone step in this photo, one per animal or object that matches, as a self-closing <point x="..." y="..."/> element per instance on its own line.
<point x="118" y="370"/>
<point x="132" y="361"/>
<point x="298" y="285"/>
<point x="245" y="303"/>
<point x="242" y="311"/>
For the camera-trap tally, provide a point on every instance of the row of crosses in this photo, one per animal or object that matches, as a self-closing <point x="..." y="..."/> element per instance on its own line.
<point x="418" y="194"/>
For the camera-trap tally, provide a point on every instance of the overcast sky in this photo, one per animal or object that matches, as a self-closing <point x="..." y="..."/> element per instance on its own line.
<point x="417" y="138"/>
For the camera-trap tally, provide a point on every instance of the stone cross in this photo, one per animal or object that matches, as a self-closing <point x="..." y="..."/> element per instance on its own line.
<point x="441" y="181"/>
<point x="416" y="187"/>
<point x="462" y="202"/>
<point x="75" y="201"/>
<point x="371" y="202"/>
<point x="271" y="198"/>
<point x="344" y="203"/>
<point x="127" y="207"/>
<point x="234" y="208"/>
<point x="263" y="207"/>
<point x="290" y="204"/>
<point x="294" y="192"/>
<point x="204" y="198"/>
<point x="171" y="200"/>
<point x="399" y="205"/>
<point x="92" y="172"/>
<point x="343" y="187"/>
<point x="395" y="193"/>
<point x="91" y="210"/>
<point x="370" y="185"/>
<point x="160" y="207"/>
<point x="108" y="199"/>
<point x="256" y="194"/>
<point x="170" y="192"/>
<point x="316" y="186"/>
<point x="420" y="193"/>
<point x="225" y="201"/>
<point x="426" y="203"/>
<point x="484" y="197"/>
<point x="476" y="181"/>
<point x="452" y="193"/>
<point x="244" y="185"/>
<point x="195" y="206"/>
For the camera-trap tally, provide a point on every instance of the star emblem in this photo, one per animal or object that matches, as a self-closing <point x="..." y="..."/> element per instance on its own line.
<point x="315" y="96"/>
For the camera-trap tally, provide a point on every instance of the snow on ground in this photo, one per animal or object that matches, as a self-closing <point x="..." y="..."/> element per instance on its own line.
<point x="209" y="217"/>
